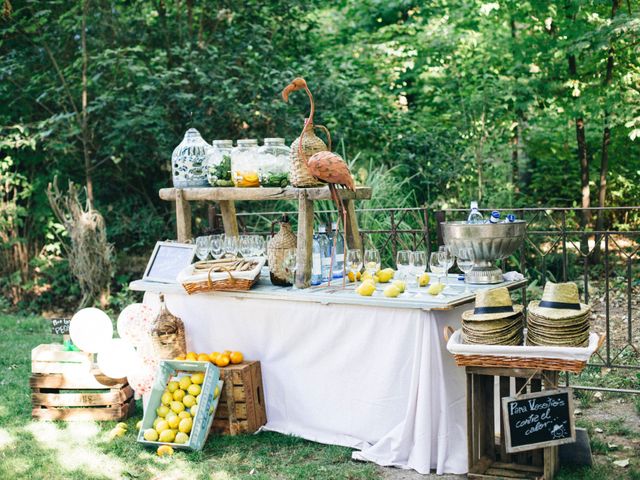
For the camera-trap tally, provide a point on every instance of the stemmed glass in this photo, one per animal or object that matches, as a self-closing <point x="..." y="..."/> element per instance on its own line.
<point x="418" y="265"/>
<point x="215" y="246"/>
<point x="354" y="262"/>
<point x="230" y="246"/>
<point x="244" y="246"/>
<point x="403" y="263"/>
<point x="202" y="247"/>
<point x="259" y="245"/>
<point x="465" y="264"/>
<point x="371" y="261"/>
<point x="435" y="264"/>
<point x="446" y="261"/>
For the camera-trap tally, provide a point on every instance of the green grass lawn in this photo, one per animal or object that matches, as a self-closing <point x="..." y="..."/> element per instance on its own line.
<point x="81" y="450"/>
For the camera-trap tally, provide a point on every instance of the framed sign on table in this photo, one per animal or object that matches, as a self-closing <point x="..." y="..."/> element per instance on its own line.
<point x="167" y="260"/>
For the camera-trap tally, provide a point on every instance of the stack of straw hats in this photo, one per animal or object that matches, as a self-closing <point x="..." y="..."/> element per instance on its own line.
<point x="494" y="320"/>
<point x="559" y="319"/>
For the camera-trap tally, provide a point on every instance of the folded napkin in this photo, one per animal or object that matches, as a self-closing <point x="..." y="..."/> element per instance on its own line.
<point x="512" y="276"/>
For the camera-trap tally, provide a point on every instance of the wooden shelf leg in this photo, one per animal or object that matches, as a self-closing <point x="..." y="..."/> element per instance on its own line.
<point x="183" y="217"/>
<point x="352" y="231"/>
<point x="305" y="241"/>
<point x="229" y="220"/>
<point x="551" y="461"/>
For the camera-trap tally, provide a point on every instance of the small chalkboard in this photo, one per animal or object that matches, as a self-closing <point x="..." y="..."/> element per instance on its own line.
<point x="537" y="420"/>
<point x="166" y="261"/>
<point x="60" y="326"/>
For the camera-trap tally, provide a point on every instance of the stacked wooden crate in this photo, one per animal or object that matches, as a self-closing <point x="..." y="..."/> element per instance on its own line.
<point x="66" y="386"/>
<point x="242" y="407"/>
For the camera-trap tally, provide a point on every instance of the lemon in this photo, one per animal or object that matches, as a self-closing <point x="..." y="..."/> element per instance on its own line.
<point x="181" y="438"/>
<point x="178" y="395"/>
<point x="435" y="289"/>
<point x="174" y="421"/>
<point x="189" y="400"/>
<point x="184" y="414"/>
<point x="198" y="399"/>
<point x="194" y="389"/>
<point x="384" y="276"/>
<point x="173" y="386"/>
<point x="423" y="279"/>
<point x="366" y="289"/>
<point x="185" y="382"/>
<point x="122" y="425"/>
<point x="164" y="450"/>
<point x="139" y="425"/>
<point x="194" y="410"/>
<point x="162" y="426"/>
<point x="162" y="410"/>
<point x="391" y="291"/>
<point x="185" y="425"/>
<point x="216" y="392"/>
<point x="167" y="436"/>
<point x="166" y="398"/>
<point x="177" y="407"/>
<point x="150" y="435"/>
<point x="197" y="378"/>
<point x="117" y="432"/>
<point x="155" y="422"/>
<point x="401" y="284"/>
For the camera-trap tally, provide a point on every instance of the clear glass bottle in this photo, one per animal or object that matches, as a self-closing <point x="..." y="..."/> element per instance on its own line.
<point x="338" y="254"/>
<point x="325" y="253"/>
<point x="188" y="161"/>
<point x="474" y="215"/>
<point x="219" y="164"/>
<point x="316" y="261"/>
<point x="274" y="163"/>
<point x="244" y="163"/>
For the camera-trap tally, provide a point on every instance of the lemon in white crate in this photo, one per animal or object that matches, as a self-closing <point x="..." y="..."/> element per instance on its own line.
<point x="170" y="417"/>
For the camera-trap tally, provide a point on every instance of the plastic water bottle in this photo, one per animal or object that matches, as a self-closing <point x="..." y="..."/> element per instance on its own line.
<point x="325" y="249"/>
<point x="510" y="218"/>
<point x="316" y="264"/>
<point x="495" y="217"/>
<point x="338" y="254"/>
<point x="475" y="216"/>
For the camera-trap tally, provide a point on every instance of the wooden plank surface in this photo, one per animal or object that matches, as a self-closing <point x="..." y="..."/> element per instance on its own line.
<point x="229" y="219"/>
<point x="74" y="414"/>
<point x="87" y="380"/>
<point x="183" y="216"/>
<point x="288" y="193"/>
<point x="304" y="243"/>
<point x="65" y="399"/>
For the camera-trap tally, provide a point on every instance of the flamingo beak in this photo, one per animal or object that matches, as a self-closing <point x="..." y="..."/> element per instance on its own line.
<point x="297" y="84"/>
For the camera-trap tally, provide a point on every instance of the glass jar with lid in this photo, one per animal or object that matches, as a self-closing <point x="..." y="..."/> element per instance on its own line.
<point x="219" y="164"/>
<point x="188" y="161"/>
<point x="244" y="163"/>
<point x="274" y="163"/>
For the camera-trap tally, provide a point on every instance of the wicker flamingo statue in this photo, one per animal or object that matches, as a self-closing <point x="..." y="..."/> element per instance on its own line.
<point x="326" y="166"/>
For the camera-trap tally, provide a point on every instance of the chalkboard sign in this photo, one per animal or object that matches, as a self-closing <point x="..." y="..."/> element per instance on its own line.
<point x="60" y="326"/>
<point x="538" y="420"/>
<point x="166" y="261"/>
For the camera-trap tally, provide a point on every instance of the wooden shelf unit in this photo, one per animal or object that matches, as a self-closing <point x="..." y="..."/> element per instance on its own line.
<point x="226" y="197"/>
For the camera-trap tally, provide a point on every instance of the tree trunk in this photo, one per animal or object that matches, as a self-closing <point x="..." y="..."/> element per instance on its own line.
<point x="84" y="124"/>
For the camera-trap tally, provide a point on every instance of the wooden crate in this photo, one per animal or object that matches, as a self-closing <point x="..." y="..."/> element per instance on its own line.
<point x="51" y="358"/>
<point x="241" y="408"/>
<point x="488" y="458"/>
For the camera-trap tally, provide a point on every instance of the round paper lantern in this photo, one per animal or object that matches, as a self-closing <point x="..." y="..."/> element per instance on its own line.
<point x="90" y="329"/>
<point x="117" y="358"/>
<point x="134" y="322"/>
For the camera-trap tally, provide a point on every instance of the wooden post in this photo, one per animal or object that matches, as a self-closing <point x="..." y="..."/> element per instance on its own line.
<point x="550" y="381"/>
<point x="183" y="217"/>
<point x="305" y="241"/>
<point x="351" y="228"/>
<point x="229" y="220"/>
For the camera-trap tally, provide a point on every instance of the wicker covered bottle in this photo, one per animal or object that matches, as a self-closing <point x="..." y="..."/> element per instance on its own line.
<point x="278" y="250"/>
<point x="311" y="144"/>
<point x="167" y="334"/>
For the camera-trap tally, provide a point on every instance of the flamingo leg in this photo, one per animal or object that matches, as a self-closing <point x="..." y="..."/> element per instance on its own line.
<point x="335" y="197"/>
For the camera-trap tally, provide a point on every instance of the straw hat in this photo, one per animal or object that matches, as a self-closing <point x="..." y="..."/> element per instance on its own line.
<point x="492" y="304"/>
<point x="559" y="301"/>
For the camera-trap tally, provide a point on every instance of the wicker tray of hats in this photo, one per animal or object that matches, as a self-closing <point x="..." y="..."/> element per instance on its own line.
<point x="222" y="274"/>
<point x="557" y="336"/>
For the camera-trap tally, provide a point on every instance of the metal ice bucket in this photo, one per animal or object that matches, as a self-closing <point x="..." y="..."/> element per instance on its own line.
<point x="489" y="241"/>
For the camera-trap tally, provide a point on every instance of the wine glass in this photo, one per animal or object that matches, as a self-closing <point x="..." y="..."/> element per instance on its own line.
<point x="354" y="261"/>
<point x="403" y="263"/>
<point x="465" y="264"/>
<point x="435" y="264"/>
<point x="230" y="246"/>
<point x="244" y="246"/>
<point x="418" y="265"/>
<point x="371" y="261"/>
<point x="446" y="260"/>
<point x="215" y="246"/>
<point x="258" y="245"/>
<point x="202" y="248"/>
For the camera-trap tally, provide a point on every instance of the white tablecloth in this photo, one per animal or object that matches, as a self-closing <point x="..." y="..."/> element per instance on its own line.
<point x="376" y="379"/>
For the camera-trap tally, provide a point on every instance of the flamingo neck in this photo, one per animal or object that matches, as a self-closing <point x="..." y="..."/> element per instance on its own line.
<point x="308" y="122"/>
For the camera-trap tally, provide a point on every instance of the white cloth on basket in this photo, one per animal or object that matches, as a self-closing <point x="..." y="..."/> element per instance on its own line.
<point x="375" y="379"/>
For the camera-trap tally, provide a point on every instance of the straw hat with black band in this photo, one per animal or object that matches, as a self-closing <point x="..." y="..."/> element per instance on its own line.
<point x="493" y="304"/>
<point x="559" y="301"/>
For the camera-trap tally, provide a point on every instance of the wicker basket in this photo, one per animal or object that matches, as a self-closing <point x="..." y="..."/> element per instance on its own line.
<point x="498" y="361"/>
<point x="311" y="144"/>
<point x="167" y="334"/>
<point x="279" y="246"/>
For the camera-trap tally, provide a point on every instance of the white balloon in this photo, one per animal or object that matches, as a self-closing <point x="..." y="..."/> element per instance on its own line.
<point x="117" y="358"/>
<point x="135" y="321"/>
<point x="90" y="329"/>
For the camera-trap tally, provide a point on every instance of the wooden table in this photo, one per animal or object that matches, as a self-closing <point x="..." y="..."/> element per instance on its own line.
<point x="227" y="196"/>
